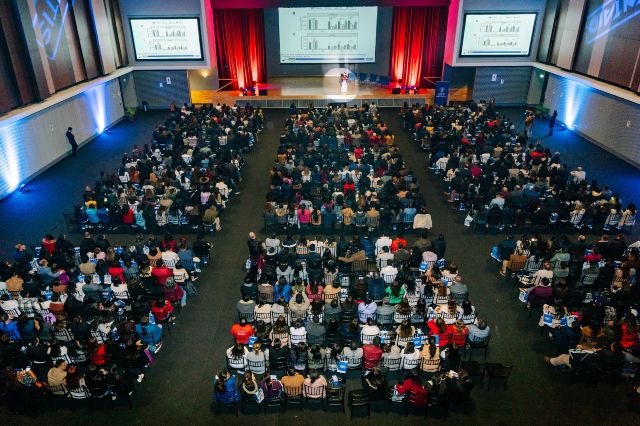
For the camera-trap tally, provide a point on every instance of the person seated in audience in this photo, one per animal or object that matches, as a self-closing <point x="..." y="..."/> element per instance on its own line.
<point x="479" y="331"/>
<point x="315" y="385"/>
<point x="225" y="388"/>
<point x="375" y="384"/>
<point x="367" y="310"/>
<point x="353" y="353"/>
<point x="395" y="293"/>
<point x="439" y="328"/>
<point x="298" y="332"/>
<point x="541" y="293"/>
<point x="413" y="384"/>
<point x="258" y="356"/>
<point x="409" y="355"/>
<point x="430" y="355"/>
<point x="57" y="375"/>
<point x="242" y="331"/>
<point x="292" y="382"/>
<point x="350" y="331"/>
<point x="271" y="387"/>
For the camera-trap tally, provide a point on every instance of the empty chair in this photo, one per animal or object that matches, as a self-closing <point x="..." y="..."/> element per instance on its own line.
<point x="359" y="398"/>
<point x="498" y="371"/>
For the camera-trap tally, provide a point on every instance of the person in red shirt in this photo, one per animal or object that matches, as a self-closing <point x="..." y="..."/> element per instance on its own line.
<point x="48" y="244"/>
<point x="372" y="354"/>
<point x="127" y="216"/>
<point x="413" y="384"/>
<point x="395" y="244"/>
<point x="459" y="334"/>
<point x="161" y="309"/>
<point x="439" y="328"/>
<point x="242" y="331"/>
<point x="348" y="186"/>
<point x="629" y="338"/>
<point x="161" y="273"/>
<point x="357" y="152"/>
<point x="115" y="270"/>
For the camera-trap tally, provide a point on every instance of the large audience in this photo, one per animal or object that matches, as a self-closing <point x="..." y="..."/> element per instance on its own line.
<point x="181" y="181"/>
<point x="505" y="179"/>
<point x="587" y="297"/>
<point x="83" y="320"/>
<point x="317" y="306"/>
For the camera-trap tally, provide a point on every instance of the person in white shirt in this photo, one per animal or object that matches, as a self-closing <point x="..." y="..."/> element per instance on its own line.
<point x="384" y="257"/>
<point x="389" y="273"/>
<point x="369" y="331"/>
<point x="274" y="243"/>
<point x="236" y="356"/>
<point x="297" y="333"/>
<point x="383" y="241"/>
<point x="545" y="272"/>
<point x="429" y="257"/>
<point x="353" y="354"/>
<point x="169" y="258"/>
<point x="578" y="174"/>
<point x="120" y="290"/>
<point x="367" y="310"/>
<point x="9" y="305"/>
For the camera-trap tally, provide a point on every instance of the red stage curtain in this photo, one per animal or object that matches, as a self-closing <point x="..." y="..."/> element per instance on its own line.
<point x="240" y="45"/>
<point x="417" y="45"/>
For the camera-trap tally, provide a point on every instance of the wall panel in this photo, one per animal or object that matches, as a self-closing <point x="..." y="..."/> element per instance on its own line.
<point x="606" y="120"/>
<point x="30" y="145"/>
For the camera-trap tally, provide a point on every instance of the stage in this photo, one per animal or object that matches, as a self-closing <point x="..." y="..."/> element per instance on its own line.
<point x="319" y="90"/>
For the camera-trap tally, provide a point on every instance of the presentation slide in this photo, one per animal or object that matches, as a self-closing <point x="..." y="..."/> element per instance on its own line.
<point x="327" y="35"/>
<point x="497" y="34"/>
<point x="162" y="39"/>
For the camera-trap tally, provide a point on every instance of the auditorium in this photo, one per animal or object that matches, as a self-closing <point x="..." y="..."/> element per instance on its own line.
<point x="312" y="212"/>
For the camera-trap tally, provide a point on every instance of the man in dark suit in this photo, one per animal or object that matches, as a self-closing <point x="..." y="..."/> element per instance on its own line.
<point x="72" y="140"/>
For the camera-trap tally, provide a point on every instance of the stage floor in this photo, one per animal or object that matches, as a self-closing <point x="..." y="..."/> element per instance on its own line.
<point x="308" y="88"/>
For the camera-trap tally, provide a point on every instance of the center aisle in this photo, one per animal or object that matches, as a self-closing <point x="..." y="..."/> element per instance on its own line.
<point x="534" y="391"/>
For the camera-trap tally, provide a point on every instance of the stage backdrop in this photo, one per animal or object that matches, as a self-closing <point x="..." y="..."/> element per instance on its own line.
<point x="417" y="46"/>
<point x="240" y="46"/>
<point x="275" y="68"/>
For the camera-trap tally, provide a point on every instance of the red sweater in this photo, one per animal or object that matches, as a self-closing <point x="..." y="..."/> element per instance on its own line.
<point x="242" y="334"/>
<point x="418" y="392"/>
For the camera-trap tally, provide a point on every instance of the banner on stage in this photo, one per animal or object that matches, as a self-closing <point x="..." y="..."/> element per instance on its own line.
<point x="442" y="92"/>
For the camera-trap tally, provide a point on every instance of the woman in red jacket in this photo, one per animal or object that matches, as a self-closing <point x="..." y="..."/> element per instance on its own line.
<point x="629" y="338"/>
<point x="439" y="328"/>
<point x="161" y="309"/>
<point x="413" y="385"/>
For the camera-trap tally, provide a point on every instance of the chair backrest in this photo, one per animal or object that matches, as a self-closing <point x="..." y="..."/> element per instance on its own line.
<point x="335" y="395"/>
<point x="391" y="364"/>
<point x="359" y="265"/>
<point x="262" y="316"/>
<point x="292" y="391"/>
<point x="315" y="340"/>
<point x="57" y="390"/>
<point x="410" y="364"/>
<point x="480" y="342"/>
<point x="313" y="391"/>
<point x="258" y="367"/>
<point x="79" y="393"/>
<point x="384" y="318"/>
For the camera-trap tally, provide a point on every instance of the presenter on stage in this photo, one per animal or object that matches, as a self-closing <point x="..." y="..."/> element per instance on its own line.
<point x="344" y="79"/>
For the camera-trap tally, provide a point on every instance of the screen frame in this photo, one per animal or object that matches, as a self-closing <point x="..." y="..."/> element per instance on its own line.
<point x="140" y="18"/>
<point x="337" y="62"/>
<point x="518" y="12"/>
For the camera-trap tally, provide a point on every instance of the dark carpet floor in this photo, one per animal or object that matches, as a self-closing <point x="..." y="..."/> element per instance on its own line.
<point x="178" y="389"/>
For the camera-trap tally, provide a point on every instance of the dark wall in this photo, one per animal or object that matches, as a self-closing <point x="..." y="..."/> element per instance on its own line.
<point x="275" y="68"/>
<point x="509" y="85"/>
<point x="49" y="46"/>
<point x="152" y="87"/>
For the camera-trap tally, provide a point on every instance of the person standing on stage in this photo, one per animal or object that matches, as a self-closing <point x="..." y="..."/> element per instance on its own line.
<point x="72" y="140"/>
<point x="344" y="79"/>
